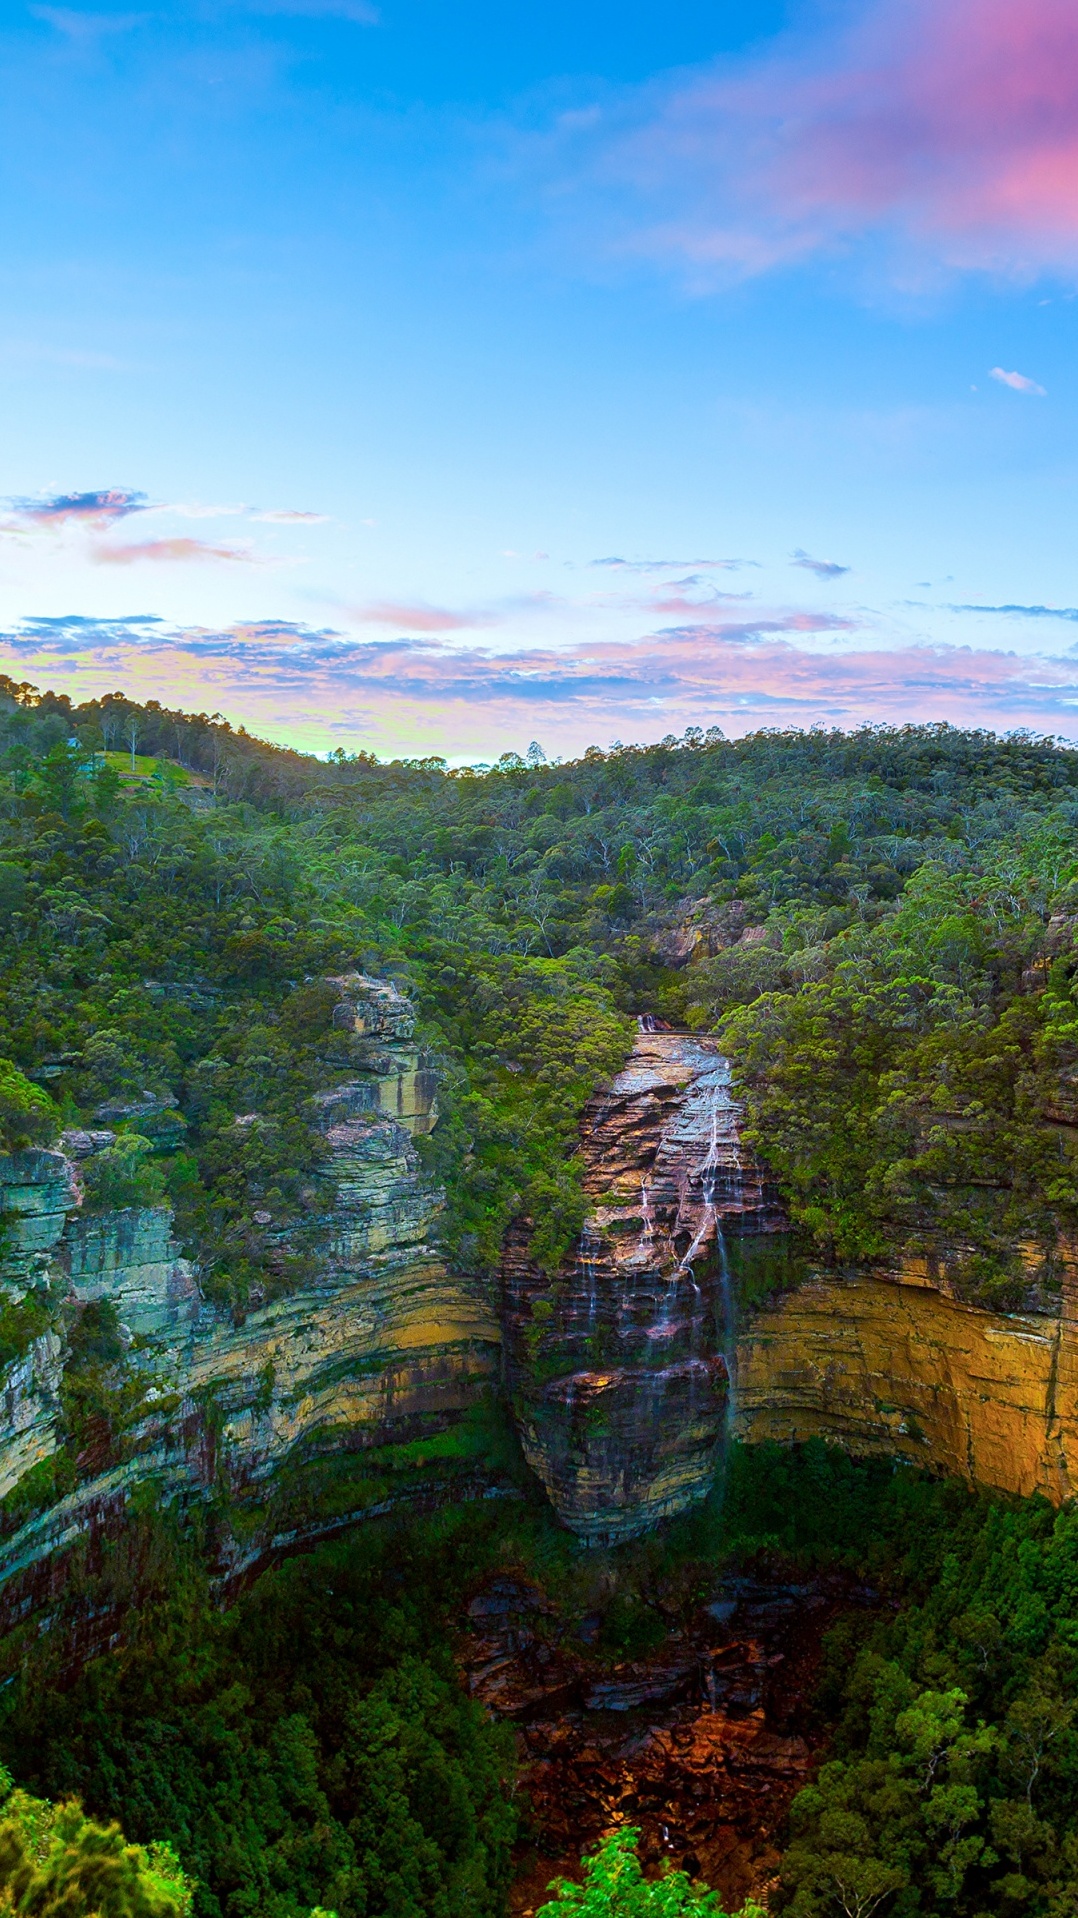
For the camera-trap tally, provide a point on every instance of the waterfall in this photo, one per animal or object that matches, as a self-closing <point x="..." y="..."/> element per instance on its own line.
<point x="729" y="1332"/>
<point x="647" y="1234"/>
<point x="716" y="1102"/>
<point x="590" y="1270"/>
<point x="650" y="1317"/>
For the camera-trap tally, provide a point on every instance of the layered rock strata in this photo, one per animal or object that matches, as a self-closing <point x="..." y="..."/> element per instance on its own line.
<point x="617" y="1367"/>
<point x="381" y="1348"/>
<point x="893" y="1364"/>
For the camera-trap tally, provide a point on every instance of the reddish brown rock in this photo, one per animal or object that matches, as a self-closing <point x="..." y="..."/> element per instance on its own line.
<point x="617" y="1366"/>
<point x="697" y="1746"/>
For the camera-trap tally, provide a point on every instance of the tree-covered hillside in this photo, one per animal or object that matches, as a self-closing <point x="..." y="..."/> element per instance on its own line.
<point x="881" y="921"/>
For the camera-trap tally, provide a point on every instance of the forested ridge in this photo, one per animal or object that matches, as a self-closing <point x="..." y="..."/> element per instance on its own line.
<point x="880" y="926"/>
<point x="887" y="919"/>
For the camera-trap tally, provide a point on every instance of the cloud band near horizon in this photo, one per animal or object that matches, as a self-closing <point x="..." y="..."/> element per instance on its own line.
<point x="319" y="687"/>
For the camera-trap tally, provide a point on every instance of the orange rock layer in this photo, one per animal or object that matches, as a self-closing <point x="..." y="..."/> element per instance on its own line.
<point x="892" y="1365"/>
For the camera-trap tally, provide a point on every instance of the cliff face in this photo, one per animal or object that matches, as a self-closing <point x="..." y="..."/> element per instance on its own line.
<point x="383" y="1347"/>
<point x="624" y="1370"/>
<point x="617" y="1366"/>
<point x="894" y="1365"/>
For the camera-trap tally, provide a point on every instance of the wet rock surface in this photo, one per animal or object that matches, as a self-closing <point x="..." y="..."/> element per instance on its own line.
<point x="620" y="1366"/>
<point x="702" y="1744"/>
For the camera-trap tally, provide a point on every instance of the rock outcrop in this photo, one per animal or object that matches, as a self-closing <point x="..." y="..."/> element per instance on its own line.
<point x="624" y="1370"/>
<point x="381" y="1348"/>
<point x="616" y="1366"/>
<point x="893" y="1364"/>
<point x="698" y="1742"/>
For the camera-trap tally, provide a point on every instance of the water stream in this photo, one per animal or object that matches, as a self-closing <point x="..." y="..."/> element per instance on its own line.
<point x="717" y="1107"/>
<point x="638" y="1424"/>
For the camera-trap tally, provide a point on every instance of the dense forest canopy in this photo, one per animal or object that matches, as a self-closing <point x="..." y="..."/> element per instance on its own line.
<point x="880" y="922"/>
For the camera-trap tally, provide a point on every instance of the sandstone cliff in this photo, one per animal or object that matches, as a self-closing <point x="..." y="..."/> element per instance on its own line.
<point x="624" y="1370"/>
<point x="617" y="1366"/>
<point x="381" y="1349"/>
<point x="892" y="1364"/>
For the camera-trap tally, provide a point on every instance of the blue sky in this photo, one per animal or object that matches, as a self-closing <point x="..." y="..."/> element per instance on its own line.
<point x="436" y="379"/>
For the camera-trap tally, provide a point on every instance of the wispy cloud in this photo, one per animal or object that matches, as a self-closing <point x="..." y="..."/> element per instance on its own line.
<point x="359" y="13"/>
<point x="285" y="516"/>
<point x="237" y="509"/>
<point x="671" y="565"/>
<point x="85" y="28"/>
<point x="92" y="510"/>
<point x="939" y="133"/>
<point x="418" y="618"/>
<point x="691" y="595"/>
<point x="169" y="552"/>
<point x="1021" y="612"/>
<point x="823" y="568"/>
<point x="201" y="509"/>
<point x="1018" y="382"/>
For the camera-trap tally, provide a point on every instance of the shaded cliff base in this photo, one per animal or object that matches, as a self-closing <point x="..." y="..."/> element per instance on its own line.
<point x="628" y="1630"/>
<point x="85" y="1594"/>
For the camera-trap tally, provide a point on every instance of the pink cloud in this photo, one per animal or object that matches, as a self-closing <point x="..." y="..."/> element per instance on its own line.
<point x="948" y="127"/>
<point x="1018" y="382"/>
<point x="168" y="552"/>
<point x="403" y="695"/>
<point x="416" y="618"/>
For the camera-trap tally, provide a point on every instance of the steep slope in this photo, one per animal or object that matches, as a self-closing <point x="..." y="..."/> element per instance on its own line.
<point x="381" y="1348"/>
<point x="893" y="1364"/>
<point x="618" y="1367"/>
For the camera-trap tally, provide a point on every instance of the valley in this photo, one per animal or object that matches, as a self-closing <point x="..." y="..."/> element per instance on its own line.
<point x="539" y="1303"/>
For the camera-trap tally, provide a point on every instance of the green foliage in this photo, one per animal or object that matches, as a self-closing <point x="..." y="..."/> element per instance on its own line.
<point x="27" y="1114"/>
<point x="630" y="1628"/>
<point x="866" y="1830"/>
<point x="309" y="1748"/>
<point x="615" y="1887"/>
<point x="537" y="1036"/>
<point x="57" y="1863"/>
<point x="23" y="1321"/>
<point x="100" y="1396"/>
<point x="122" y="1175"/>
<point x="920" y="1095"/>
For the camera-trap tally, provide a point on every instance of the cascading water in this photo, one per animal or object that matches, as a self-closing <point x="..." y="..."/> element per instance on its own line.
<point x="590" y="1272"/>
<point x="632" y="1423"/>
<point x="718" y="1105"/>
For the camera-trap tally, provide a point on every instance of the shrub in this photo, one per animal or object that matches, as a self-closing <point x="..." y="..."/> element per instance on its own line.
<point x="57" y="1863"/>
<point x="123" y="1175"/>
<point x="615" y="1887"/>
<point x="27" y="1114"/>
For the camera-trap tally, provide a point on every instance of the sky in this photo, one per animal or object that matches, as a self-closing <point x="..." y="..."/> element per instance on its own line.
<point x="420" y="378"/>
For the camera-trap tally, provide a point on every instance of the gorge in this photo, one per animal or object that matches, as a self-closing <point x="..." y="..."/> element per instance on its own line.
<point x="625" y="1370"/>
<point x="555" y="1280"/>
